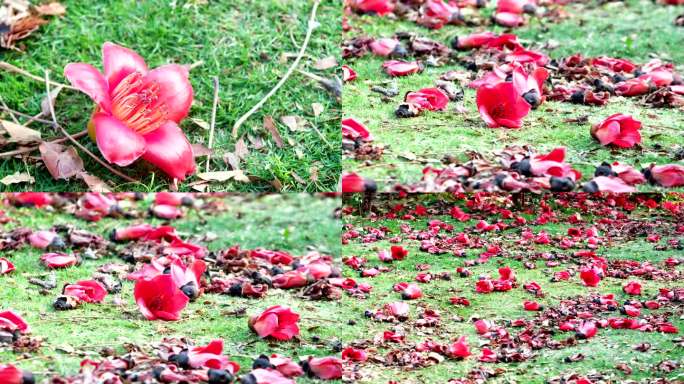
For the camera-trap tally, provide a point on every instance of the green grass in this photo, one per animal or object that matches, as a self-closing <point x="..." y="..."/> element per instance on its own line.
<point x="242" y="45"/>
<point x="295" y="223"/>
<point x="635" y="29"/>
<point x="602" y="352"/>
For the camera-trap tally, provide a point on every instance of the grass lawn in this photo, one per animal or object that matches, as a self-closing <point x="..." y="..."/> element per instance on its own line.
<point x="296" y="223"/>
<point x="633" y="29"/>
<point x="602" y="353"/>
<point x="242" y="45"/>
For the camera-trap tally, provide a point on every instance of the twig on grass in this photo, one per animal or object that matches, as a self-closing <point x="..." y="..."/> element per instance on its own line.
<point x="11" y="113"/>
<point x="213" y="120"/>
<point x="71" y="138"/>
<point x="312" y="25"/>
<point x="11" y="68"/>
<point x="29" y="117"/>
<point x="35" y="147"/>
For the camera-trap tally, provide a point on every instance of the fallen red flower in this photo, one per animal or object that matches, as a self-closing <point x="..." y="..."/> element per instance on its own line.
<point x="353" y="129"/>
<point x="459" y="349"/>
<point x="285" y="365"/>
<point x="45" y="239"/>
<point x="586" y="330"/>
<point x="607" y="184"/>
<point x="6" y="266"/>
<point x="378" y="7"/>
<point x="9" y="374"/>
<point x="32" y="199"/>
<point x="138" y="110"/>
<point x="509" y="19"/>
<point x="398" y="252"/>
<point x="352" y="183"/>
<point x="668" y="175"/>
<point x="474" y="40"/>
<point x="386" y="47"/>
<point x="632" y="288"/>
<point x="348" y="74"/>
<point x="159" y="298"/>
<point x="354" y="354"/>
<point x="500" y="105"/>
<point x="325" y="368"/>
<point x="619" y="129"/>
<point x="591" y="275"/>
<point x="58" y="260"/>
<point x="431" y="99"/>
<point x="89" y="291"/>
<point x="12" y="321"/>
<point x="211" y="356"/>
<point x="532" y="306"/>
<point x="266" y="376"/>
<point x="401" y="68"/>
<point x="277" y="321"/>
<point x="411" y="292"/>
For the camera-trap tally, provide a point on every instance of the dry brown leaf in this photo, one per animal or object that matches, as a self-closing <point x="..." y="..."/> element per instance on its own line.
<point x="326" y="63"/>
<point x="201" y="123"/>
<point x="277" y="184"/>
<point x="45" y="106"/>
<point x="270" y="126"/>
<point x="62" y="162"/>
<point x="295" y="123"/>
<point x="317" y="109"/>
<point x="52" y="9"/>
<point x="94" y="183"/>
<point x="200" y="187"/>
<point x="236" y="175"/>
<point x="199" y="150"/>
<point x="232" y="159"/>
<point x="256" y="141"/>
<point x="241" y="150"/>
<point x="298" y="178"/>
<point x="17" y="178"/>
<point x="313" y="174"/>
<point x="19" y="133"/>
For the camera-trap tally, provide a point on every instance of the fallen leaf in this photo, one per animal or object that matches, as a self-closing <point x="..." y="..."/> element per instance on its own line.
<point x="277" y="184"/>
<point x="95" y="184"/>
<point x="201" y="123"/>
<point x="236" y="175"/>
<point x="232" y="159"/>
<point x="17" y="178"/>
<point x="200" y="187"/>
<point x="19" y="133"/>
<point x="317" y="109"/>
<point x="241" y="150"/>
<point x="408" y="156"/>
<point x="199" y="150"/>
<point x="51" y="9"/>
<point x="45" y="106"/>
<point x="326" y="63"/>
<point x="295" y="123"/>
<point x="313" y="174"/>
<point x="270" y="126"/>
<point x="62" y="162"/>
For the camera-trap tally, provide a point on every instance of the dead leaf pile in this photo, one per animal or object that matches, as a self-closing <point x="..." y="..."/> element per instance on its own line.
<point x="19" y="19"/>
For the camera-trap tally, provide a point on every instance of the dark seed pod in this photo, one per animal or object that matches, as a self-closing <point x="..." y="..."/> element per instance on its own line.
<point x="190" y="290"/>
<point x="65" y="303"/>
<point x="183" y="360"/>
<point x="262" y="362"/>
<point x="27" y="378"/>
<point x="157" y="372"/>
<point x="220" y="376"/>
<point x="248" y="379"/>
<point x="532" y="97"/>
<point x="604" y="170"/>
<point x="590" y="187"/>
<point x="235" y="290"/>
<point x="525" y="167"/>
<point x="454" y="43"/>
<point x="399" y="51"/>
<point x="562" y="184"/>
<point x="277" y="271"/>
<point x="370" y="186"/>
<point x="187" y="201"/>
<point x="618" y="78"/>
<point x="530" y="9"/>
<point x="577" y="97"/>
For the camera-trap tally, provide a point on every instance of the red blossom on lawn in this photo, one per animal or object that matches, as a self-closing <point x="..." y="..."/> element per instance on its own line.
<point x="552" y="164"/>
<point x="385" y="256"/>
<point x="58" y="260"/>
<point x="325" y="368"/>
<point x="431" y="99"/>
<point x="398" y="252"/>
<point x="482" y="326"/>
<point x="608" y="184"/>
<point x="619" y="129"/>
<point x="532" y="306"/>
<point x="398" y="309"/>
<point x="277" y="321"/>
<point x="348" y="74"/>
<point x="138" y="110"/>
<point x="188" y="277"/>
<point x="484" y="286"/>
<point x="89" y="291"/>
<point x="378" y="7"/>
<point x="6" y="266"/>
<point x="9" y="374"/>
<point x="632" y="87"/>
<point x="352" y="183"/>
<point x="459" y="349"/>
<point x="632" y="288"/>
<point x="668" y="175"/>
<point x="175" y="199"/>
<point x="500" y="105"/>
<point x="401" y="68"/>
<point x="32" y="199"/>
<point x="159" y="298"/>
<point x="488" y="356"/>
<point x="384" y="47"/>
<point x="509" y="19"/>
<point x="44" y="239"/>
<point x="474" y="40"/>
<point x="353" y="129"/>
<point x="615" y="65"/>
<point x="436" y="13"/>
<point x="211" y="356"/>
<point x="291" y="279"/>
<point x="12" y="321"/>
<point x="354" y="354"/>
<point x="586" y="330"/>
<point x="411" y="292"/>
<point x="266" y="376"/>
<point x="515" y="6"/>
<point x="530" y="85"/>
<point x="591" y="275"/>
<point x="286" y="366"/>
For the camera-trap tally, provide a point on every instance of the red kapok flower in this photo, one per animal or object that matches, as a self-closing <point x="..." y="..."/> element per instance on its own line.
<point x="58" y="260"/>
<point x="378" y="7"/>
<point x="32" y="199"/>
<point x="44" y="239"/>
<point x="285" y="365"/>
<point x="619" y="129"/>
<point x="509" y="19"/>
<point x="474" y="40"/>
<point x="353" y="129"/>
<point x="352" y="183"/>
<point x="668" y="175"/>
<point x="632" y="288"/>
<point x="591" y="276"/>
<point x="6" y="266"/>
<point x="9" y="374"/>
<point x="159" y="298"/>
<point x="277" y="321"/>
<point x="354" y="354"/>
<point x="432" y="99"/>
<point x="398" y="252"/>
<point x="348" y="74"/>
<point x="500" y="105"/>
<point x="384" y="47"/>
<point x="608" y="184"/>
<point x="267" y="376"/>
<point x="532" y="306"/>
<point x="586" y="330"/>
<point x="325" y="368"/>
<point x="459" y="349"/>
<point x="90" y="291"/>
<point x="211" y="356"/>
<point x="138" y="110"/>
<point x="400" y="68"/>
<point x="12" y="321"/>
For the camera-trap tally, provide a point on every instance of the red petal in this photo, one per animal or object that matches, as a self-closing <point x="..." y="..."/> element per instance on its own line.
<point x="89" y="81"/>
<point x="169" y="149"/>
<point x="175" y="90"/>
<point x="120" y="62"/>
<point x="117" y="143"/>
